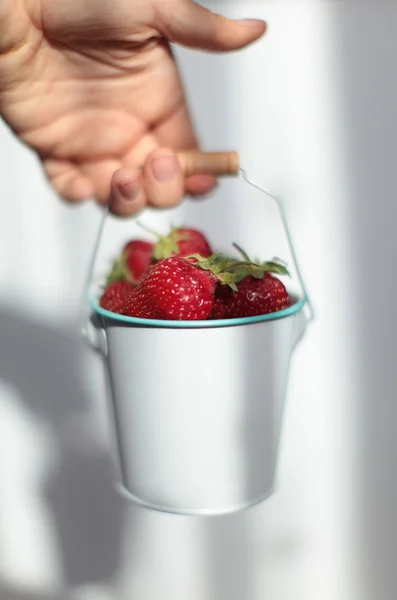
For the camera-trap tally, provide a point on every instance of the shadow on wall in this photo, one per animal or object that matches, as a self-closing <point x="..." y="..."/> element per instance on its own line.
<point x="43" y="364"/>
<point x="10" y="594"/>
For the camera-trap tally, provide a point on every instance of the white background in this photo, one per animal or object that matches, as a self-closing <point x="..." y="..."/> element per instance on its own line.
<point x="312" y="110"/>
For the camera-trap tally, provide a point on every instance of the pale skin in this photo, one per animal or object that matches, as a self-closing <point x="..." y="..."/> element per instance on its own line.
<point x="93" y="88"/>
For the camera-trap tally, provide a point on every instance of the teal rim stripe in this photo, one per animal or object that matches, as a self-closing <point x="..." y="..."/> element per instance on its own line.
<point x="287" y="312"/>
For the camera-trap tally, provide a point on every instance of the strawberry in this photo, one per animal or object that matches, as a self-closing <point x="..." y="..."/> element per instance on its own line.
<point x="138" y="258"/>
<point x="222" y="297"/>
<point x="115" y="296"/>
<point x="193" y="242"/>
<point x="173" y="289"/>
<point x="133" y="262"/>
<point x="141" y="305"/>
<point x="178" y="289"/>
<point x="182" y="241"/>
<point x="253" y="297"/>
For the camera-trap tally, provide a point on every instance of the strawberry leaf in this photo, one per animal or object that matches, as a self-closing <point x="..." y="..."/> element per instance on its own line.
<point x="276" y="265"/>
<point x="230" y="271"/>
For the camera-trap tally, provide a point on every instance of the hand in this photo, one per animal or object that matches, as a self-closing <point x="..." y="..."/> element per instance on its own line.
<point x="93" y="88"/>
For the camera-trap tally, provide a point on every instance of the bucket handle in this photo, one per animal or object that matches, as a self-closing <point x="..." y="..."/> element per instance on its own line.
<point x="216" y="163"/>
<point x="90" y="334"/>
<point x="309" y="312"/>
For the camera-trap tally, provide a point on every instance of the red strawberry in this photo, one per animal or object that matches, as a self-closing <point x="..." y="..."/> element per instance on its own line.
<point x="193" y="242"/>
<point x="221" y="299"/>
<point x="253" y="297"/>
<point x="182" y="241"/>
<point x="115" y="296"/>
<point x="173" y="289"/>
<point x="138" y="256"/>
<point x="140" y="305"/>
<point x="133" y="262"/>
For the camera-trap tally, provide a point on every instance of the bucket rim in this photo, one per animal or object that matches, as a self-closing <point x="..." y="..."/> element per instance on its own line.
<point x="296" y="307"/>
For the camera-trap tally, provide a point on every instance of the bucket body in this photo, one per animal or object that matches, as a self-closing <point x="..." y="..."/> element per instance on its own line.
<point x="198" y="411"/>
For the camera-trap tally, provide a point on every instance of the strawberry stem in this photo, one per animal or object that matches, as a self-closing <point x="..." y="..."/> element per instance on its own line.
<point x="148" y="230"/>
<point x="242" y="252"/>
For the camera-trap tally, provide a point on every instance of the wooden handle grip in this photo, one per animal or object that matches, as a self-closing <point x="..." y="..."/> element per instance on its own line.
<point x="209" y="163"/>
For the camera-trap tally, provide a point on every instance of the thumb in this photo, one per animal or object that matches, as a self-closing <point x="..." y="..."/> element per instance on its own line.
<point x="186" y="23"/>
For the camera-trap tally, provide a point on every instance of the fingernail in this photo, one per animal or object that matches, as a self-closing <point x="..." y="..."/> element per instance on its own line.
<point x="164" y="168"/>
<point x="129" y="190"/>
<point x="251" y="22"/>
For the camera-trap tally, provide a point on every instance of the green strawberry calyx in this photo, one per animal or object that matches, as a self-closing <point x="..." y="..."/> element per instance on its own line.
<point x="230" y="272"/>
<point x="276" y="265"/>
<point x="167" y="245"/>
<point x="119" y="271"/>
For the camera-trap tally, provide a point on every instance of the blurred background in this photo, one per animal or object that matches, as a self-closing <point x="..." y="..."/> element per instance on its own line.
<point x="312" y="110"/>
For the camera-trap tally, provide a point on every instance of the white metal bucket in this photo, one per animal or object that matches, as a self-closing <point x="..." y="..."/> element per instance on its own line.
<point x="198" y="406"/>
